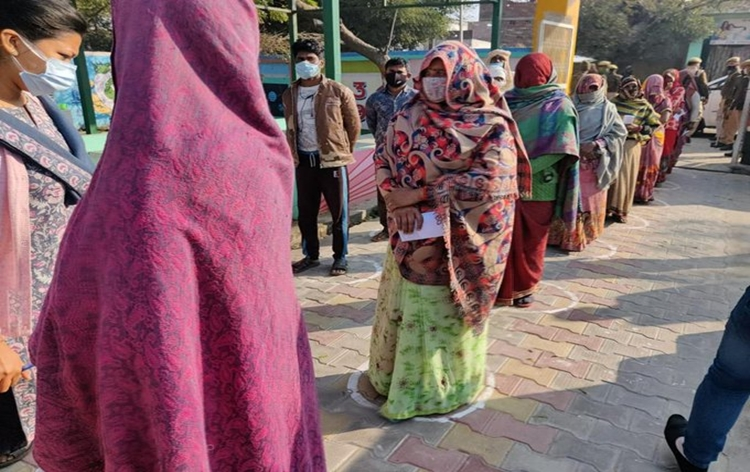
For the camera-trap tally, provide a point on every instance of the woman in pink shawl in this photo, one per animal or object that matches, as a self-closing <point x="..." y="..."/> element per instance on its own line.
<point x="171" y="338"/>
<point x="653" y="91"/>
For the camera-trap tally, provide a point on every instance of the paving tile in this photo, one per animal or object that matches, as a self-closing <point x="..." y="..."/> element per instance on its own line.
<point x="602" y="457"/>
<point x="522" y="459"/>
<point x="644" y="445"/>
<point x="464" y="439"/>
<point x="337" y="454"/>
<point x="576" y="368"/>
<point x="617" y="415"/>
<point x="413" y="451"/>
<point x="530" y="389"/>
<point x="502" y="348"/>
<point x="579" y="426"/>
<point x="561" y="349"/>
<point x="519" y="408"/>
<point x="502" y="425"/>
<point x="539" y="374"/>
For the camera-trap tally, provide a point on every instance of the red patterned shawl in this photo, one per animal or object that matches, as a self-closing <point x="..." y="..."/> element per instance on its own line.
<point x="468" y="154"/>
<point x="171" y="338"/>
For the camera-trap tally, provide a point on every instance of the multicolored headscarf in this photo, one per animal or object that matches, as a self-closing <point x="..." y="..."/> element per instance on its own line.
<point x="548" y="122"/>
<point x="469" y="156"/>
<point x="630" y="88"/>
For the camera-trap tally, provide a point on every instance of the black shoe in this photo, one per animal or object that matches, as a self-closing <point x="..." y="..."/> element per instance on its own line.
<point x="9" y="458"/>
<point x="715" y="144"/>
<point x="728" y="154"/>
<point x="675" y="429"/>
<point x="726" y="147"/>
<point x="304" y="264"/>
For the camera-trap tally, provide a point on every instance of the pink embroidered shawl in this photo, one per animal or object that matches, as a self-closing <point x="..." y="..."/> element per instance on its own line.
<point x="171" y="339"/>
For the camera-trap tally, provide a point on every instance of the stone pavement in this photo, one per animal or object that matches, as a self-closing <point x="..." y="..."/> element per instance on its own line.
<point x="620" y="337"/>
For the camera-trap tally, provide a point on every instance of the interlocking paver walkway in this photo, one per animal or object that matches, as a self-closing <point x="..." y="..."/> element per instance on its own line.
<point x="620" y="337"/>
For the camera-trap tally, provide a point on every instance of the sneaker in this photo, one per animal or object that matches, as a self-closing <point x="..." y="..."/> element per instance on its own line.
<point x="675" y="429"/>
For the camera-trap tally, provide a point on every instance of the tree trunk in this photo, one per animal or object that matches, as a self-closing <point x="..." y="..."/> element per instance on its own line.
<point x="375" y="55"/>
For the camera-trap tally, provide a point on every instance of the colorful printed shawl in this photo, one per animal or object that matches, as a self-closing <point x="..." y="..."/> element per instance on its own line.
<point x="548" y="122"/>
<point x="599" y="121"/>
<point x="171" y="338"/>
<point x="465" y="153"/>
<point x="641" y="110"/>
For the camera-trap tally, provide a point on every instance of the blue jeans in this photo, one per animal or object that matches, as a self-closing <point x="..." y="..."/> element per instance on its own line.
<point x="723" y="392"/>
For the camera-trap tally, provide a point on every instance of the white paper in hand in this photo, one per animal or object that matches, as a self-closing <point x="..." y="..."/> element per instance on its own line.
<point x="628" y="119"/>
<point x="430" y="229"/>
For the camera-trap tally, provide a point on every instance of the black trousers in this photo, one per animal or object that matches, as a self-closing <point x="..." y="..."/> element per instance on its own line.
<point x="333" y="185"/>
<point x="382" y="210"/>
<point x="12" y="436"/>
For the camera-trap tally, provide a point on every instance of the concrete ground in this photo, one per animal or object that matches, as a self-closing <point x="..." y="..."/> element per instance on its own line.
<point x="583" y="381"/>
<point x="620" y="338"/>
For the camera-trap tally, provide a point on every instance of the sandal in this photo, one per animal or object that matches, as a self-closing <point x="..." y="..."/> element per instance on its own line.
<point x="380" y="237"/>
<point x="9" y="458"/>
<point x="524" y="302"/>
<point x="339" y="267"/>
<point x="304" y="264"/>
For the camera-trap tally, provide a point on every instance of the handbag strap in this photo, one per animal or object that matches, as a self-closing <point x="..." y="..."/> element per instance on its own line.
<point x="27" y="141"/>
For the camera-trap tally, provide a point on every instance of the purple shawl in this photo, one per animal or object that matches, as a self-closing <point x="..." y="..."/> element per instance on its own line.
<point x="171" y="338"/>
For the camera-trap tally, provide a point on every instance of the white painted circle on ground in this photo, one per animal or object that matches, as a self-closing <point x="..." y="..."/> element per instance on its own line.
<point x="353" y="388"/>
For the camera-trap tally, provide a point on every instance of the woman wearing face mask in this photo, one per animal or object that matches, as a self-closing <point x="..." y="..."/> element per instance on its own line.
<point x="453" y="154"/>
<point x="499" y="64"/>
<point x="602" y="135"/>
<point x="548" y="123"/>
<point x="653" y="90"/>
<point x="44" y="170"/>
<point x="640" y="120"/>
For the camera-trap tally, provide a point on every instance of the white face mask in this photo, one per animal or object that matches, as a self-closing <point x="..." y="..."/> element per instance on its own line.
<point x="307" y="70"/>
<point x="434" y="88"/>
<point x="497" y="71"/>
<point x="57" y="75"/>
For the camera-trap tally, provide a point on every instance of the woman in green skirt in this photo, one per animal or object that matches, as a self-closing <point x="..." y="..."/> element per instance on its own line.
<point x="450" y="169"/>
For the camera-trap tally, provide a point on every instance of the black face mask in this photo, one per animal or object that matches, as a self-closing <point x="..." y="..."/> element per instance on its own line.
<point x="395" y="79"/>
<point x="732" y="69"/>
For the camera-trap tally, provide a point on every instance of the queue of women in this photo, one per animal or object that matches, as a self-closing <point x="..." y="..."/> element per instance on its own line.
<point x="506" y="174"/>
<point x="153" y="332"/>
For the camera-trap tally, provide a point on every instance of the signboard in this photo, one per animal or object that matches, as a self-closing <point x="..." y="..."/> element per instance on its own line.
<point x="557" y="41"/>
<point x="732" y="32"/>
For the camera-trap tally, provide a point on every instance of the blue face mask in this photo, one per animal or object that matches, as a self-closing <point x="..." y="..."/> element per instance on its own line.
<point x="307" y="70"/>
<point x="57" y="75"/>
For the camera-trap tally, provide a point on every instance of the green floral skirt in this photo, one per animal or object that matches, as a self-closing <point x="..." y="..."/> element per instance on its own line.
<point x="423" y="357"/>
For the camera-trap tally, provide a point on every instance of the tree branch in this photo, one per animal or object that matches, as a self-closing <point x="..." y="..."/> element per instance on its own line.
<point x="375" y="55"/>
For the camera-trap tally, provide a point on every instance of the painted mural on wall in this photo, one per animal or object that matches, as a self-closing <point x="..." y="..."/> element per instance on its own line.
<point x="102" y="92"/>
<point x="734" y="31"/>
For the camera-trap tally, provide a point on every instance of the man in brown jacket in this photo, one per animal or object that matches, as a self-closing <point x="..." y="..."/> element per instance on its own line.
<point x="323" y="125"/>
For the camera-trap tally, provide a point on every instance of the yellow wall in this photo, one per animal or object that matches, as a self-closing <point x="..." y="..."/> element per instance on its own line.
<point x="561" y="33"/>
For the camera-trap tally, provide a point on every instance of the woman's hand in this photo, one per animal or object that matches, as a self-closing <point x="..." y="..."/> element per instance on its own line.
<point x="408" y="219"/>
<point x="588" y="148"/>
<point x="633" y="129"/>
<point x="11" y="367"/>
<point x="402" y="197"/>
